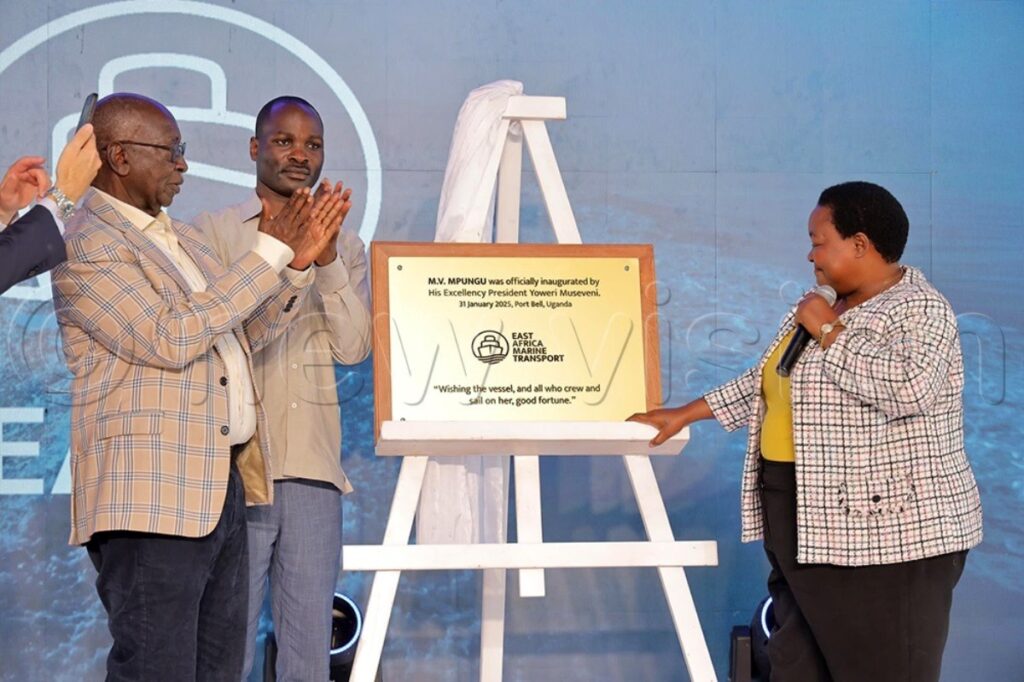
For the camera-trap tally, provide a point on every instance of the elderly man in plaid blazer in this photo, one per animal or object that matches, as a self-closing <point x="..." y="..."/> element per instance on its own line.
<point x="856" y="475"/>
<point x="168" y="435"/>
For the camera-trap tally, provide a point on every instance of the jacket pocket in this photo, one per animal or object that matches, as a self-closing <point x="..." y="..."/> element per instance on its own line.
<point x="876" y="496"/>
<point x="123" y="424"/>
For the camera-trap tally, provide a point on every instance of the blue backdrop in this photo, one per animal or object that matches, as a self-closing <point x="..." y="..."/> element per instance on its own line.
<point x="706" y="128"/>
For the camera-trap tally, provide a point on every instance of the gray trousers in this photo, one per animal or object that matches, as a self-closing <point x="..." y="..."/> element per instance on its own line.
<point x="295" y="543"/>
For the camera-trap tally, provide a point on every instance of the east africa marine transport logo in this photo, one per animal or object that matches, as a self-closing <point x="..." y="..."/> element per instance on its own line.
<point x="490" y="347"/>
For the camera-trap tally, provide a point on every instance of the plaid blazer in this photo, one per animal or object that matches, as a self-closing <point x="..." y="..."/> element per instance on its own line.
<point x="149" y="442"/>
<point x="882" y="476"/>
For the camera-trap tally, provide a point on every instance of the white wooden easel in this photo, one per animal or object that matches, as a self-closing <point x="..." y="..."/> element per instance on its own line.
<point x="526" y="441"/>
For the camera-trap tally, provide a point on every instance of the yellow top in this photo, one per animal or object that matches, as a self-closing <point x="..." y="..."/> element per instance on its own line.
<point x="777" y="425"/>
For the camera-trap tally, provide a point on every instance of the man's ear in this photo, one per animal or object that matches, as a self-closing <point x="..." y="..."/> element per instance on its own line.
<point x="113" y="157"/>
<point x="254" y="147"/>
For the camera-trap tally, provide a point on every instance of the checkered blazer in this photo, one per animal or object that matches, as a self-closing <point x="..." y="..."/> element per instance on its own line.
<point x="149" y="438"/>
<point x="882" y="476"/>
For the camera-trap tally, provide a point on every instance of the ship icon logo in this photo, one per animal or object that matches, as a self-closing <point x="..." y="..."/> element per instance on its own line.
<point x="490" y="347"/>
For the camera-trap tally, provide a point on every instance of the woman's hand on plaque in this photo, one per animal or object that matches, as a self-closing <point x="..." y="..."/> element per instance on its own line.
<point x="671" y="420"/>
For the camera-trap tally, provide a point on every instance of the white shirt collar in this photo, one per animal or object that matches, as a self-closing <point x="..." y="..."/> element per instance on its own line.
<point x="136" y="216"/>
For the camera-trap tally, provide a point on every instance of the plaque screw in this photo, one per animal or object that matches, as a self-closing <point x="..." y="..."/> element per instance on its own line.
<point x="627" y="268"/>
<point x="399" y="267"/>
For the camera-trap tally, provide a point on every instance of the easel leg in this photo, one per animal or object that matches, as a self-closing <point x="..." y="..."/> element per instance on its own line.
<point x="550" y="180"/>
<point x="492" y="625"/>
<point x="673" y="578"/>
<point x="529" y="528"/>
<point x="492" y="617"/>
<point x="385" y="583"/>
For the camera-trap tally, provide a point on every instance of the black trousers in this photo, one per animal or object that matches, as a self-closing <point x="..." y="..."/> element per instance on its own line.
<point x="864" y="624"/>
<point x="177" y="607"/>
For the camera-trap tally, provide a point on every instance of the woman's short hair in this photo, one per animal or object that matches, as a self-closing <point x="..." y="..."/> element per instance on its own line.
<point x="871" y="209"/>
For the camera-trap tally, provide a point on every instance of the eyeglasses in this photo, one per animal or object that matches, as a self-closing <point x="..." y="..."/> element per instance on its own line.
<point x="177" y="150"/>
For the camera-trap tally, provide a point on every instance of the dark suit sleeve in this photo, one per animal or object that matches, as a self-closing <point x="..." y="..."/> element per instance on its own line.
<point x="30" y="245"/>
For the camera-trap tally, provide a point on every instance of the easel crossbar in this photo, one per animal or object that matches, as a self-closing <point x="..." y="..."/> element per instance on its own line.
<point x="521" y="556"/>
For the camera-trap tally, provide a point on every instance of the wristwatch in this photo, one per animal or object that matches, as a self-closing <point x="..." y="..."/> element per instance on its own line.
<point x="827" y="329"/>
<point x="65" y="206"/>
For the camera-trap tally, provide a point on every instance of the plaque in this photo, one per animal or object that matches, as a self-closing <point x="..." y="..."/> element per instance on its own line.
<point x="513" y="332"/>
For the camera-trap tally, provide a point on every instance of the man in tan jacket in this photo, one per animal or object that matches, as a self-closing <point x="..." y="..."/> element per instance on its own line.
<point x="166" y="422"/>
<point x="296" y="542"/>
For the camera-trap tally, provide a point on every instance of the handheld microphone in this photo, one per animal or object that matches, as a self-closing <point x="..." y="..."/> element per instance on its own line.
<point x="802" y="336"/>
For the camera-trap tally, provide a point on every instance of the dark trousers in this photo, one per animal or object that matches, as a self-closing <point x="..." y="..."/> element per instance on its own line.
<point x="878" y="623"/>
<point x="176" y="607"/>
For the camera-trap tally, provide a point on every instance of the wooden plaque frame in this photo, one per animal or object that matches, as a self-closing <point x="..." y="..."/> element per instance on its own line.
<point x="382" y="252"/>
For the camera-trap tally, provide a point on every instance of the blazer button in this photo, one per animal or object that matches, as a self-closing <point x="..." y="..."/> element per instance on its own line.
<point x="223" y="381"/>
<point x="224" y="430"/>
<point x="876" y="498"/>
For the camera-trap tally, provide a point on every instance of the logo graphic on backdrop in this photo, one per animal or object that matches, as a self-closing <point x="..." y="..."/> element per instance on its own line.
<point x="34" y="314"/>
<point x="216" y="113"/>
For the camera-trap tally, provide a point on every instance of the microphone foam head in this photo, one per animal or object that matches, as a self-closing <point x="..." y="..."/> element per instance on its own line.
<point x="827" y="293"/>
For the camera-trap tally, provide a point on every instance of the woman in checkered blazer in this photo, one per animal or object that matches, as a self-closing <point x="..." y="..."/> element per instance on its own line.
<point x="855" y="476"/>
